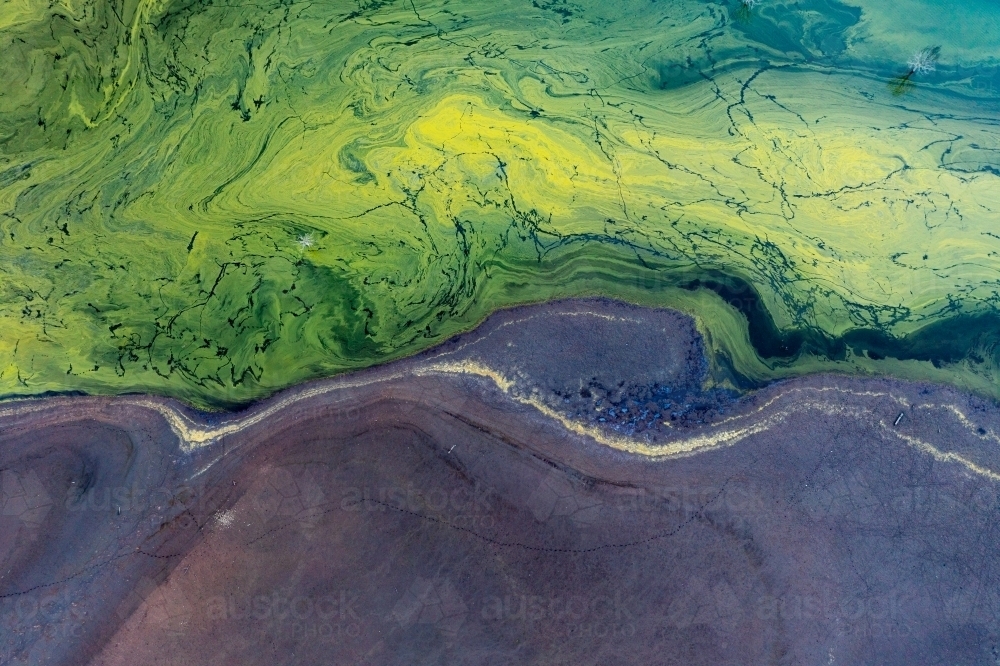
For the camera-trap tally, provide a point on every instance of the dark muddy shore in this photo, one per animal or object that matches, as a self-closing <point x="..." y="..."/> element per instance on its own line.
<point x="429" y="512"/>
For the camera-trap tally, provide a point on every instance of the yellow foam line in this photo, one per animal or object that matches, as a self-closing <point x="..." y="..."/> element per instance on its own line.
<point x="943" y="456"/>
<point x="728" y="437"/>
<point x="192" y="435"/>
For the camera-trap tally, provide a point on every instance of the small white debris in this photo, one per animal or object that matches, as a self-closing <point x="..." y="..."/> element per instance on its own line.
<point x="225" y="518"/>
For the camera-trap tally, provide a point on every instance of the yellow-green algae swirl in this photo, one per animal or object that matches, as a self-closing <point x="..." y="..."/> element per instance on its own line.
<point x="214" y="200"/>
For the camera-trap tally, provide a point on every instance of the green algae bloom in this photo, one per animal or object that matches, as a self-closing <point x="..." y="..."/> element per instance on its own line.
<point x="217" y="200"/>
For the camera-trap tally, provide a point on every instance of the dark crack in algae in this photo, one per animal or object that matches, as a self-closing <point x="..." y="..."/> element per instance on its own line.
<point x="217" y="200"/>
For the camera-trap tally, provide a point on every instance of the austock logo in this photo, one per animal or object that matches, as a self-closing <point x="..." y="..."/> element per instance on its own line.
<point x="438" y="603"/>
<point x="860" y="609"/>
<point x="165" y="607"/>
<point x="556" y="497"/>
<point x="559" y="497"/>
<point x="325" y="618"/>
<point x="599" y="615"/>
<point x="702" y="602"/>
<point x="434" y="602"/>
<point x="53" y="613"/>
<point x="468" y="507"/>
<point x="293" y="493"/>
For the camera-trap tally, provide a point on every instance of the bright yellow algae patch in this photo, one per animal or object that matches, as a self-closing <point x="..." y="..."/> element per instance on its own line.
<point x="217" y="202"/>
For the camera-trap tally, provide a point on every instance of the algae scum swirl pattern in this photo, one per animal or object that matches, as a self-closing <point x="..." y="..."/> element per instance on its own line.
<point x="216" y="200"/>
